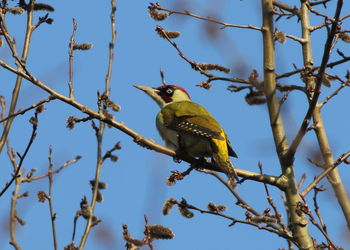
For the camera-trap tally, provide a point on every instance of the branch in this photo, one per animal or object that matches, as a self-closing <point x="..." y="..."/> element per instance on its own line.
<point x="304" y="208"/>
<point x="111" y="48"/>
<point x="194" y="65"/>
<point x="273" y="206"/>
<point x="329" y="65"/>
<point x="34" y="106"/>
<point x="70" y="54"/>
<point x="319" y="2"/>
<point x="342" y="158"/>
<point x="317" y="208"/>
<point x="313" y="102"/>
<point x="250" y="221"/>
<point x="22" y="157"/>
<point x="209" y="19"/>
<point x="277" y="181"/>
<point x="49" y="198"/>
<point x="13" y="213"/>
<point x="343" y="84"/>
<point x="299" y="227"/>
<point x="231" y="189"/>
<point x="285" y="6"/>
<point x="100" y="132"/>
<point x="20" y="63"/>
<point x="66" y="164"/>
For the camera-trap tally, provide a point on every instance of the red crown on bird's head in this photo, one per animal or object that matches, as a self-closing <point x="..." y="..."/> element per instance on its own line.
<point x="164" y="87"/>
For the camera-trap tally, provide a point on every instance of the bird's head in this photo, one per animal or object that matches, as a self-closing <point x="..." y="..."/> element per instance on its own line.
<point x="165" y="94"/>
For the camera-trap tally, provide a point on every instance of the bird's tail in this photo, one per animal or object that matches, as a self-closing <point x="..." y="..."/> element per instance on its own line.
<point x="226" y="166"/>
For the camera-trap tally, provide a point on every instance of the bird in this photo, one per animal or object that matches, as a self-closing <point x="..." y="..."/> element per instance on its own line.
<point x="188" y="128"/>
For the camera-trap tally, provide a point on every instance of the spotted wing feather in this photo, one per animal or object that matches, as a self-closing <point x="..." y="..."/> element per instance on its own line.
<point x="189" y="127"/>
<point x="189" y="117"/>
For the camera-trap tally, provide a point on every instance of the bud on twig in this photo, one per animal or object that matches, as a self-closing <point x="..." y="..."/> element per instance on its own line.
<point x="43" y="6"/>
<point x="42" y="196"/>
<point x="211" y="66"/>
<point x="168" y="205"/>
<point x="155" y="14"/>
<point x="15" y="11"/>
<point x="159" y="232"/>
<point x="344" y="37"/>
<point x="167" y="34"/>
<point x="279" y="36"/>
<point x="82" y="46"/>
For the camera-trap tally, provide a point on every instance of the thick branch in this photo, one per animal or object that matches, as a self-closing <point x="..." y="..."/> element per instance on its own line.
<point x="326" y="53"/>
<point x="11" y="44"/>
<point x="299" y="227"/>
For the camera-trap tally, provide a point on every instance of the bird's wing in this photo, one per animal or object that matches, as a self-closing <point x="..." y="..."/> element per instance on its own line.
<point x="229" y="148"/>
<point x="192" y="118"/>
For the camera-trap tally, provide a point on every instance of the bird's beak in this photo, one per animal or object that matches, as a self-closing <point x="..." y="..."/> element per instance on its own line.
<point x="146" y="89"/>
<point x="152" y="92"/>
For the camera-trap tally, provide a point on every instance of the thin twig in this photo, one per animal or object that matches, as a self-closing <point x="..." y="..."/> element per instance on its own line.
<point x="66" y="164"/>
<point x="76" y="217"/>
<point x="273" y="205"/>
<point x="317" y="164"/>
<point x="100" y="130"/>
<point x="341" y="159"/>
<point x="343" y="84"/>
<point x="21" y="112"/>
<point x="193" y="64"/>
<point x="240" y="201"/>
<point x="49" y="198"/>
<point x="317" y="13"/>
<point x="22" y="157"/>
<point x="301" y="182"/>
<point x="234" y="221"/>
<point x="329" y="65"/>
<point x="111" y="47"/>
<point x="284" y="6"/>
<point x="312" y="219"/>
<point x="209" y="19"/>
<point x="231" y="189"/>
<point x="100" y="161"/>
<point x="297" y="39"/>
<point x="13" y="212"/>
<point x="162" y="76"/>
<point x="317" y="208"/>
<point x="319" y="2"/>
<point x="70" y="54"/>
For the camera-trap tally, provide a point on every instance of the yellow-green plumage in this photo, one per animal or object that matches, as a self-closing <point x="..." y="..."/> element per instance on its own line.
<point x="195" y="129"/>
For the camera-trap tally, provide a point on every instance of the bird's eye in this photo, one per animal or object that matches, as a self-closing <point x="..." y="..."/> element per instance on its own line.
<point x="169" y="91"/>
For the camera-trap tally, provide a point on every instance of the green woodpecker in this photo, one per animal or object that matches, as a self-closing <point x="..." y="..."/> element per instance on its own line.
<point x="189" y="128"/>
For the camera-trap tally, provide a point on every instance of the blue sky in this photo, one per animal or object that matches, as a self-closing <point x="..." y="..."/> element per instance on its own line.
<point x="137" y="182"/>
